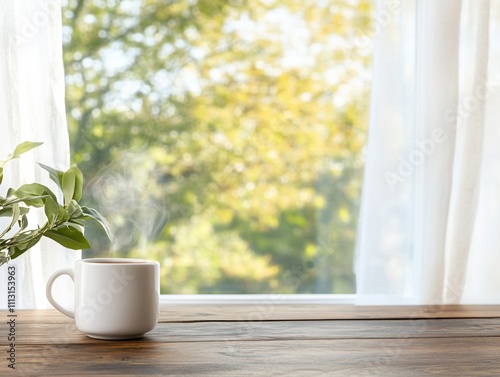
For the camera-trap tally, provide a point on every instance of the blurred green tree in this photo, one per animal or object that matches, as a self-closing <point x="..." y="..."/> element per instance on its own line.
<point x="223" y="138"/>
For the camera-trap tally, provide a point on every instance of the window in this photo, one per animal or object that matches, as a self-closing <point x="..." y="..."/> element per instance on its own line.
<point x="223" y="138"/>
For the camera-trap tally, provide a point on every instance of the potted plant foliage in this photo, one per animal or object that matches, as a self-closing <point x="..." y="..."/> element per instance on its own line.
<point x="64" y="221"/>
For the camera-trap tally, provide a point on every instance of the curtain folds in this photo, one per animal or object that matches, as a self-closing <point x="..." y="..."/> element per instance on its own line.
<point x="430" y="213"/>
<point x="32" y="108"/>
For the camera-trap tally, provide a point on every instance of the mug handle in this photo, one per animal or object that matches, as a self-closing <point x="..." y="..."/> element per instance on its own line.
<point x="66" y="271"/>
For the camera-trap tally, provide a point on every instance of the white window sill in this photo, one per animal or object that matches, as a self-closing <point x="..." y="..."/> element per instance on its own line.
<point x="275" y="299"/>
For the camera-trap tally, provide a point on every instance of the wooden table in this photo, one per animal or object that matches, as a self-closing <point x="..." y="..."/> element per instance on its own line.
<point x="267" y="340"/>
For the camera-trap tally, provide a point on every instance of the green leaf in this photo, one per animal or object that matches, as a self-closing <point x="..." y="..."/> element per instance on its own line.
<point x="55" y="175"/>
<point x="24" y="222"/>
<point x="80" y="221"/>
<point x="20" y="149"/>
<point x="78" y="183"/>
<point x="16" y="213"/>
<point x="7" y="211"/>
<point x="74" y="209"/>
<point x="33" y="194"/>
<point x="25" y="147"/>
<point x="68" y="185"/>
<point x="24" y="199"/>
<point x="22" y="246"/>
<point x="3" y="260"/>
<point x="92" y="214"/>
<point x="69" y="237"/>
<point x="51" y="211"/>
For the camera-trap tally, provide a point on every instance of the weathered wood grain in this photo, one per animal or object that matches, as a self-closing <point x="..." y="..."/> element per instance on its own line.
<point x="30" y="333"/>
<point x="341" y="357"/>
<point x="283" y="340"/>
<point x="271" y="312"/>
<point x="277" y="312"/>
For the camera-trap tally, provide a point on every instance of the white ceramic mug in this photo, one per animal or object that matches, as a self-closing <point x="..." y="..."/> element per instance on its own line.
<point x="115" y="298"/>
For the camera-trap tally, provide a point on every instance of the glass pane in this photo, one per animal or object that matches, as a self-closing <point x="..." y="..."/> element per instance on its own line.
<point x="223" y="138"/>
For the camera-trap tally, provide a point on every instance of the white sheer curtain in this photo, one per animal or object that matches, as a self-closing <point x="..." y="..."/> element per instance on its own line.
<point x="32" y="108"/>
<point x="429" y="229"/>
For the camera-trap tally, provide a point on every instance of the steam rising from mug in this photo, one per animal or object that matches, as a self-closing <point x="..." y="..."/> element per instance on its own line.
<point x="128" y="192"/>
